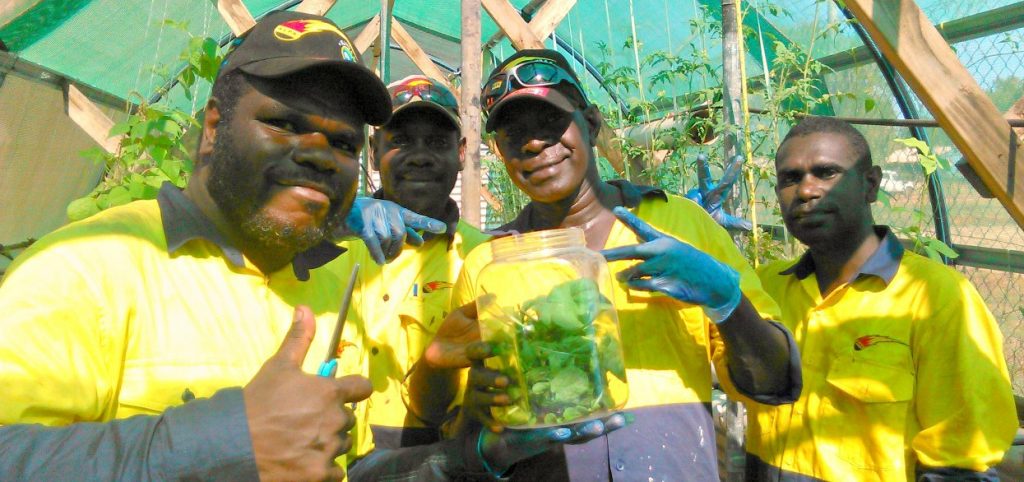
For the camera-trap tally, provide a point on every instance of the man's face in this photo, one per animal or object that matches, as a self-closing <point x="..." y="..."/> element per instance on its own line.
<point x="823" y="194"/>
<point x="418" y="156"/>
<point x="546" y="151"/>
<point x="284" y="164"/>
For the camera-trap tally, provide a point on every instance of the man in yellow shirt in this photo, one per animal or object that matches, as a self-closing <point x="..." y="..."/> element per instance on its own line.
<point x="418" y="154"/>
<point x="156" y="307"/>
<point x="904" y="376"/>
<point x="710" y="307"/>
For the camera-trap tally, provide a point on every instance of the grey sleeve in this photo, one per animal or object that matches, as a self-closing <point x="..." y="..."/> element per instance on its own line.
<point x="796" y="377"/>
<point x="441" y="461"/>
<point x="951" y="474"/>
<point x="205" y="439"/>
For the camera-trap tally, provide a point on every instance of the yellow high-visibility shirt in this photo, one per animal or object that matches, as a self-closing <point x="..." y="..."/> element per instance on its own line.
<point x="669" y="347"/>
<point x="403" y="303"/>
<point x="903" y="365"/>
<point x="102" y="321"/>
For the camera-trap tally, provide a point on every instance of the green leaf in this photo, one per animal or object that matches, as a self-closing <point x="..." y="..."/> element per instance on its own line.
<point x="82" y="208"/>
<point x="914" y="142"/>
<point x="120" y="128"/>
<point x="136" y="188"/>
<point x="940" y="247"/>
<point x="869" y="104"/>
<point x="569" y="384"/>
<point x="117" y="196"/>
<point x="928" y="162"/>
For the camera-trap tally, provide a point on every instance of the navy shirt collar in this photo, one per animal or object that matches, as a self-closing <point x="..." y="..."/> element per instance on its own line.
<point x="183" y="222"/>
<point x="883" y="263"/>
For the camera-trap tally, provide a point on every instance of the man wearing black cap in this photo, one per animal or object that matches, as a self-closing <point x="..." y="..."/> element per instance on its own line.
<point x="692" y="301"/>
<point x="154" y="309"/>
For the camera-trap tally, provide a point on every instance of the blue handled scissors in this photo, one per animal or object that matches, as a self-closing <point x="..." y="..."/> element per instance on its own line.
<point x="330" y="365"/>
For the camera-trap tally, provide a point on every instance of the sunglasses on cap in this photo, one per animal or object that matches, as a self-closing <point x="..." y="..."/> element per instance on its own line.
<point x="529" y="72"/>
<point x="422" y="90"/>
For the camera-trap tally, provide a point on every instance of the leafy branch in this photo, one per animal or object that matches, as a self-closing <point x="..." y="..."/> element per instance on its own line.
<point x="152" y="148"/>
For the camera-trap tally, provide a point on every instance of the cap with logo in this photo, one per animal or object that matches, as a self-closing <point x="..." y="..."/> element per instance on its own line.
<point x="283" y="43"/>
<point x="536" y="74"/>
<point x="422" y="92"/>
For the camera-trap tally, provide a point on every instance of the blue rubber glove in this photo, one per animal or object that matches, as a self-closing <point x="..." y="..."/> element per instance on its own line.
<point x="500" y="451"/>
<point x="710" y="196"/>
<point x="677" y="269"/>
<point x="385" y="226"/>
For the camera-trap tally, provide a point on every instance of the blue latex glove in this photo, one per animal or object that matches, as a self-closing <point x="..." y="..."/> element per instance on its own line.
<point x="499" y="451"/>
<point x="385" y="226"/>
<point x="710" y="196"/>
<point x="677" y="269"/>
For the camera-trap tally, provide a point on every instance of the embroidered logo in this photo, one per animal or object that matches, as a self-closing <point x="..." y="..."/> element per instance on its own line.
<point x="871" y="340"/>
<point x="296" y="29"/>
<point x="432" y="286"/>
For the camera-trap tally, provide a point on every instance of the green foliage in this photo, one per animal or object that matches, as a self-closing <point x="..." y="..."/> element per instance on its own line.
<point x="152" y="149"/>
<point x="929" y="160"/>
<point x="564" y="356"/>
<point x="511" y="199"/>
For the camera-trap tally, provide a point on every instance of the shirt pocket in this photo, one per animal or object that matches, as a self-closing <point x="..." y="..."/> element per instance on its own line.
<point x="865" y="410"/>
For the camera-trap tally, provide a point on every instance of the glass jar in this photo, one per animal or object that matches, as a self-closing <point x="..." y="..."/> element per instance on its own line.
<point x="545" y="305"/>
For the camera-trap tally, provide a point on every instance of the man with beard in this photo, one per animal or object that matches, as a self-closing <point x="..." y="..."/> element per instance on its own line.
<point x="418" y="154"/>
<point x="123" y="332"/>
<point x="904" y="375"/>
<point x="708" y="307"/>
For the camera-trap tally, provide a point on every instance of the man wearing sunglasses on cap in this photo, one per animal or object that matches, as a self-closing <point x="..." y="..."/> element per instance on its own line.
<point x="693" y="300"/>
<point x="418" y="154"/>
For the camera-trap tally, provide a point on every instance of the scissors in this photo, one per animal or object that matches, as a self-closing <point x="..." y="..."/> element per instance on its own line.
<point x="330" y="365"/>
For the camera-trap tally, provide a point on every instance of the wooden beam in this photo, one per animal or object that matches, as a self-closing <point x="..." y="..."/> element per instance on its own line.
<point x="369" y="34"/>
<point x="469" y="111"/>
<point x="522" y="37"/>
<point x="417" y="55"/>
<point x="509" y="21"/>
<point x="549" y="16"/>
<point x="236" y="15"/>
<point x="915" y="48"/>
<point x="315" y="7"/>
<point x="529" y="9"/>
<point x="90" y="118"/>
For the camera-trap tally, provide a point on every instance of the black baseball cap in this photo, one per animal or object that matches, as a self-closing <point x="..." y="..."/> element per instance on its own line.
<point x="283" y="43"/>
<point x="550" y="79"/>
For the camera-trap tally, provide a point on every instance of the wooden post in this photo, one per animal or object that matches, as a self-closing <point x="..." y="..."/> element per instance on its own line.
<point x="315" y="7"/>
<point x="418" y="56"/>
<point x="731" y="79"/>
<point x="529" y="9"/>
<point x="367" y="36"/>
<point x="90" y="118"/>
<point x="915" y="48"/>
<point x="549" y="16"/>
<point x="469" y="110"/>
<point x="235" y="14"/>
<point x="385" y="39"/>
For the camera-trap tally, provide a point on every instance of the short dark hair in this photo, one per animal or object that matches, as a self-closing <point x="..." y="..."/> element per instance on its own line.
<point x="830" y="125"/>
<point x="227" y="90"/>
